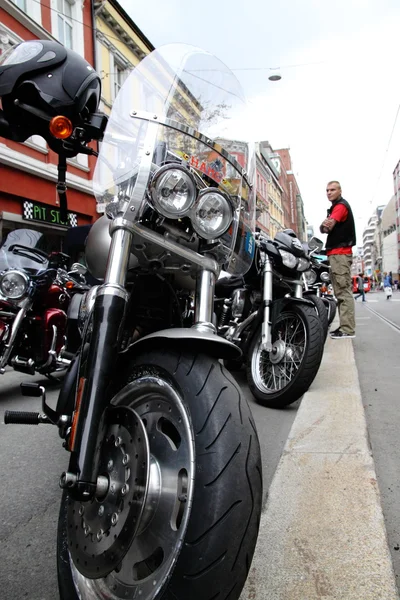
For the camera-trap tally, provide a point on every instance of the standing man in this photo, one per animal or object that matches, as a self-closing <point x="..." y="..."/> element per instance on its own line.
<point x="340" y="227"/>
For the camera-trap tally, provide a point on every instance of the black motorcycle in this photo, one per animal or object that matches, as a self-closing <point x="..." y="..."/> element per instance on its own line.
<point x="317" y="283"/>
<point x="277" y="329"/>
<point x="162" y="495"/>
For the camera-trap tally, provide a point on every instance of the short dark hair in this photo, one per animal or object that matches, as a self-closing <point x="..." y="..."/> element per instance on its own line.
<point x="335" y="181"/>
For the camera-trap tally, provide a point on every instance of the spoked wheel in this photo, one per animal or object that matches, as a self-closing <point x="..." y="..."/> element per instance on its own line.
<point x="282" y="376"/>
<point x="187" y="454"/>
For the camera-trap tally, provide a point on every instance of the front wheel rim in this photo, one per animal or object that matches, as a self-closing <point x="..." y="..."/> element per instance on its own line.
<point x="270" y="375"/>
<point x="154" y="551"/>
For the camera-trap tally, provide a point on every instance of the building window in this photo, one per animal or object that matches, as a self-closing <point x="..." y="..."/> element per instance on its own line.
<point x="119" y="77"/>
<point x="119" y="72"/>
<point x="67" y="23"/>
<point x="64" y="20"/>
<point x="21" y="4"/>
<point x="38" y="143"/>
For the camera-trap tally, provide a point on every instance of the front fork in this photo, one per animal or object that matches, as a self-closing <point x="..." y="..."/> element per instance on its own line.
<point x="204" y="301"/>
<point x="266" y="328"/>
<point x="92" y="400"/>
<point x="8" y="347"/>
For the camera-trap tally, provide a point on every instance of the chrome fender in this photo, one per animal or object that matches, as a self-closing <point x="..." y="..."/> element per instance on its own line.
<point x="188" y="339"/>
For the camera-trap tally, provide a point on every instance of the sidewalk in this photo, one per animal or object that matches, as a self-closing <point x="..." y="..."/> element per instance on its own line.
<point x="322" y="533"/>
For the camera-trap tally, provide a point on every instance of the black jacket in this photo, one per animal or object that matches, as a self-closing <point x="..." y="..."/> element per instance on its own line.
<point x="343" y="234"/>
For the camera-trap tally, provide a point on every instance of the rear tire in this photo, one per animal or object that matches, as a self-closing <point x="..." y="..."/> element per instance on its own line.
<point x="216" y="537"/>
<point x="282" y="376"/>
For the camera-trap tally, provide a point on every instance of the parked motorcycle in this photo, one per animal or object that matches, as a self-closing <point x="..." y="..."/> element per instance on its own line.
<point x="278" y="331"/>
<point x="162" y="495"/>
<point x="35" y="293"/>
<point x="316" y="283"/>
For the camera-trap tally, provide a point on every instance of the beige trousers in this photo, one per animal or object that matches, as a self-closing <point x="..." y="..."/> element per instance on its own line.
<point x="343" y="288"/>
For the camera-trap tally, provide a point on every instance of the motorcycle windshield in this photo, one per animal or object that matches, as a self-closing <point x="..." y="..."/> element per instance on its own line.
<point x="181" y="104"/>
<point x="13" y="256"/>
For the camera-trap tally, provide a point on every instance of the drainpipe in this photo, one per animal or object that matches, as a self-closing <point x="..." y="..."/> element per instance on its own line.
<point x="94" y="35"/>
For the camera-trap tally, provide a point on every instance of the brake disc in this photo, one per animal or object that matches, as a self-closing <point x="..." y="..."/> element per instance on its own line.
<point x="101" y="531"/>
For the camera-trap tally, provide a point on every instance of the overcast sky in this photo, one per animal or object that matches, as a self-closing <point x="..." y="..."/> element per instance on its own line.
<point x="336" y="104"/>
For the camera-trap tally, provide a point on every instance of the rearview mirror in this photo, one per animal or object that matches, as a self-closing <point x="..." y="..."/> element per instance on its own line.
<point x="315" y="244"/>
<point x="78" y="268"/>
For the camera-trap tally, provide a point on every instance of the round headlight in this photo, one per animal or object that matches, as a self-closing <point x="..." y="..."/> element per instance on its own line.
<point x="303" y="264"/>
<point x="14" y="285"/>
<point x="288" y="259"/>
<point x="311" y="277"/>
<point x="212" y="214"/>
<point x="173" y="191"/>
<point x="325" y="276"/>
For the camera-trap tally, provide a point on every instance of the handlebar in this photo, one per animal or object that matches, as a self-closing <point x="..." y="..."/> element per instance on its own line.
<point x="23" y="250"/>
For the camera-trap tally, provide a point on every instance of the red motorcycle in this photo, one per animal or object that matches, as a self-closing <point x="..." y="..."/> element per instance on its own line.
<point x="35" y="293"/>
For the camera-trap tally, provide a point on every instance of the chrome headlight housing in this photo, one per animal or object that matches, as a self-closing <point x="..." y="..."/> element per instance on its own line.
<point x="303" y="264"/>
<point x="173" y="191"/>
<point x="238" y="300"/>
<point x="14" y="284"/>
<point x="212" y="214"/>
<point x="288" y="259"/>
<point x="310" y="277"/>
<point x="325" y="277"/>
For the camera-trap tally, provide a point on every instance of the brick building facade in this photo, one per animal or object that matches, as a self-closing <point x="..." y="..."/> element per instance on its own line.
<point x="28" y="171"/>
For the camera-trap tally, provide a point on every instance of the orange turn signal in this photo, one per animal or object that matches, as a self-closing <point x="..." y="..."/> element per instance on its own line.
<point x="69" y="285"/>
<point x="61" y="127"/>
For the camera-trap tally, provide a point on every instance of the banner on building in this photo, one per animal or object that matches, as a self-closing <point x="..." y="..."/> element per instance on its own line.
<point x="36" y="211"/>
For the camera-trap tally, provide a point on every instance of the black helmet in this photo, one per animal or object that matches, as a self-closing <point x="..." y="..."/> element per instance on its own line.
<point x="42" y="79"/>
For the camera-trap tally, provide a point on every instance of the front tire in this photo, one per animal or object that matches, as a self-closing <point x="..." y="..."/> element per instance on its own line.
<point x="322" y="310"/>
<point x="282" y="376"/>
<point x="207" y="552"/>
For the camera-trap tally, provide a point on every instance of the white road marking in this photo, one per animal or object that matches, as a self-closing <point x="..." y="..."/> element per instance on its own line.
<point x="394" y="326"/>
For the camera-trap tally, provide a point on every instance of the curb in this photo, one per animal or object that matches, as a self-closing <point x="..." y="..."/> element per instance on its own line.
<point x="322" y="532"/>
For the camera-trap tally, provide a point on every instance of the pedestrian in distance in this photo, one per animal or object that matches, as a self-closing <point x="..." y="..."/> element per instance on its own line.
<point x="340" y="227"/>
<point x="360" y="287"/>
<point x="387" y="285"/>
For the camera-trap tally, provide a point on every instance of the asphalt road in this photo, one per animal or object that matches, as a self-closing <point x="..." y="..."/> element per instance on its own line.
<point x="377" y="357"/>
<point x="32" y="460"/>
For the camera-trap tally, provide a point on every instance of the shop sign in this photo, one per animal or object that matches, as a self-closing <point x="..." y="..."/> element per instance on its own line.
<point x="36" y="211"/>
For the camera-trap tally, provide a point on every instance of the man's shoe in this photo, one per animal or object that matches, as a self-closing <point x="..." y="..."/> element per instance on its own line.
<point x="340" y="335"/>
<point x="335" y="331"/>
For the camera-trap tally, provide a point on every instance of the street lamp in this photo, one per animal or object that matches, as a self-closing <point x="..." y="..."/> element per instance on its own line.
<point x="275" y="76"/>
